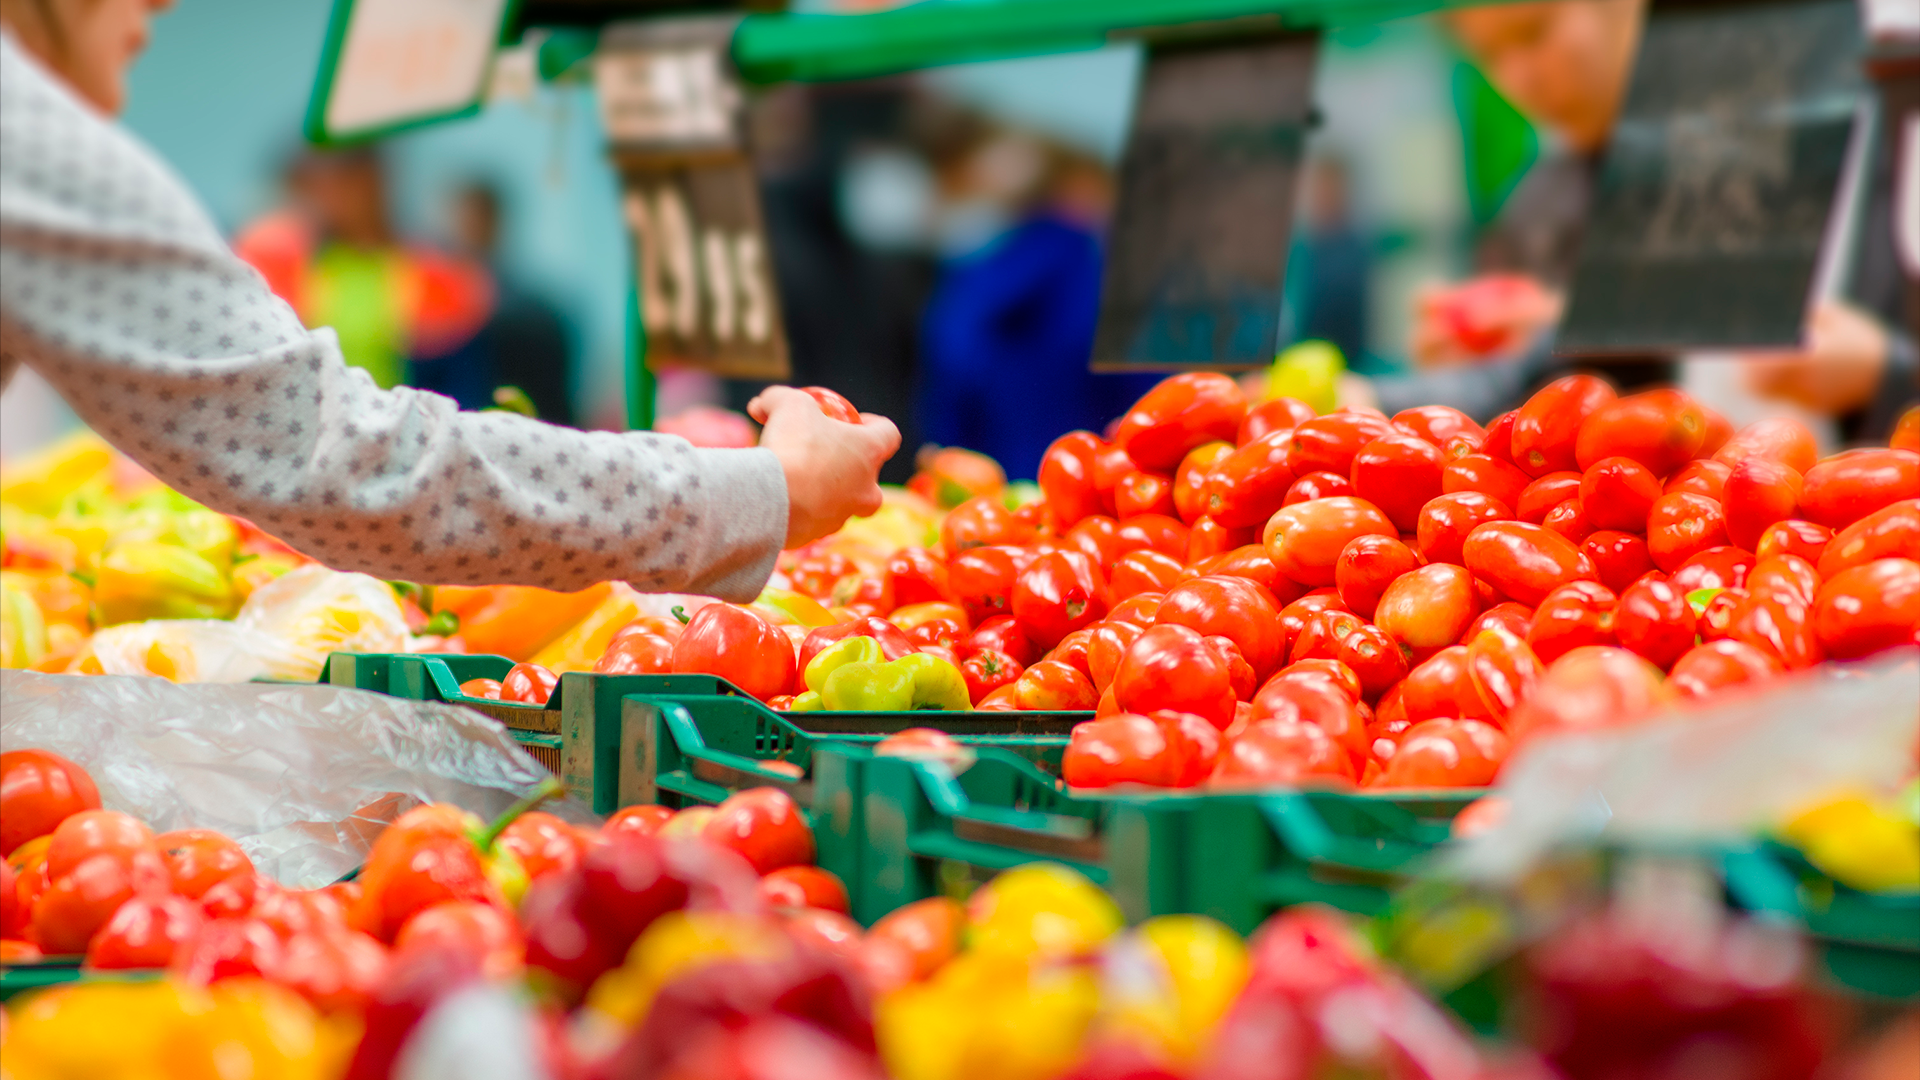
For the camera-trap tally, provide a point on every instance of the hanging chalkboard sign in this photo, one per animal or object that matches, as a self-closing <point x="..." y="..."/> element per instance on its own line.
<point x="1198" y="252"/>
<point x="1729" y="159"/>
<point x="672" y="106"/>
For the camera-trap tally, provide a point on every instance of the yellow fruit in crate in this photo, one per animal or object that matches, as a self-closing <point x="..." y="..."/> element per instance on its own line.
<point x="1207" y="963"/>
<point x="98" y="1030"/>
<point x="42" y="480"/>
<point x="23" y="630"/>
<point x="145" y="579"/>
<point x="674" y="944"/>
<point x="1861" y="843"/>
<point x="1040" y="910"/>
<point x="988" y="1016"/>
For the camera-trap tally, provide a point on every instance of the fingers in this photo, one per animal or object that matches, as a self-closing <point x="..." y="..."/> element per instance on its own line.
<point x="775" y="398"/>
<point x="887" y="436"/>
<point x="870" y="502"/>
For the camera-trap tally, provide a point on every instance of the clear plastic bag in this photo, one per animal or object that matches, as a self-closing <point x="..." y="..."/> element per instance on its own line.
<point x="307" y="614"/>
<point x="303" y="777"/>
<point x="184" y="650"/>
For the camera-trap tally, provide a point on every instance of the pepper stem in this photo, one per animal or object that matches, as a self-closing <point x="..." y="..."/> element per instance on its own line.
<point x="549" y="788"/>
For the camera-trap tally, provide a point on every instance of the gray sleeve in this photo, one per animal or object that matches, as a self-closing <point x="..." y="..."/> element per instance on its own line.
<point x="116" y="287"/>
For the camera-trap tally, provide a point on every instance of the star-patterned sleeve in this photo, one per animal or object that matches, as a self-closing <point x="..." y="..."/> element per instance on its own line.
<point x="117" y="288"/>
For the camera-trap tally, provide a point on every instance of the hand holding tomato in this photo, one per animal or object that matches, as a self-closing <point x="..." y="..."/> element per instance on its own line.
<point x="832" y="468"/>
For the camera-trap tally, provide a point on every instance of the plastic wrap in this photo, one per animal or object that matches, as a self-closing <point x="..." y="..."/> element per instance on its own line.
<point x="308" y="614"/>
<point x="1706" y="775"/>
<point x="303" y="777"/>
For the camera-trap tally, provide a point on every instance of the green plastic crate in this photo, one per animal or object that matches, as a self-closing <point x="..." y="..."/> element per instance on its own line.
<point x="58" y="971"/>
<point x="1867" y="942"/>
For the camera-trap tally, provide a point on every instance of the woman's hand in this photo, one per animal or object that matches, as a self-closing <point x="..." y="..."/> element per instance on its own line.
<point x="832" y="467"/>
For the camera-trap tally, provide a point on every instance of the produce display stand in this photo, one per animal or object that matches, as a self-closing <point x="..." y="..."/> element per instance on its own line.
<point x="1867" y="942"/>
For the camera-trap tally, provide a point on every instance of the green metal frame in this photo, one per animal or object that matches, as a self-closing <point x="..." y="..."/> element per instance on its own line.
<point x="314" y="125"/>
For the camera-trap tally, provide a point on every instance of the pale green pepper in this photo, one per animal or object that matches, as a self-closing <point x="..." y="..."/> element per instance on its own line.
<point x="868" y="687"/>
<point x="807" y="702"/>
<point x="852" y="650"/>
<point x="936" y="683"/>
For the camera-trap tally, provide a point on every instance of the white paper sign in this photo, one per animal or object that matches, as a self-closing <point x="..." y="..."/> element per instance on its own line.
<point x="403" y="60"/>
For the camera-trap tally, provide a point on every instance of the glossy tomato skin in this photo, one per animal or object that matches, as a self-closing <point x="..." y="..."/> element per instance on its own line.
<point x="1847" y="487"/>
<point x="1714" y="665"/>
<point x="1490" y="476"/>
<point x="981" y="522"/>
<point x="765" y="826"/>
<point x="1110" y="466"/>
<point x="1367" y="566"/>
<point x="1317" y="485"/>
<point x="1398" y="473"/>
<point x="1321" y="671"/>
<point x="740" y="647"/>
<point x="1320" y="702"/>
<point x="1328" y="443"/>
<point x="1513" y="617"/>
<point x="1248" y="485"/>
<point x="76" y="904"/>
<point x="1618" y="558"/>
<point x="1654" y="620"/>
<point x="96" y="832"/>
<point x="1758" y="492"/>
<point x="804" y="887"/>
<point x="1376" y="659"/>
<point x="199" y="859"/>
<point x="1295" y="615"/>
<point x="1569" y="519"/>
<point x="918" y="576"/>
<point x="1320" y="637"/>
<point x="1447" y="753"/>
<point x="543" y="843"/>
<point x="38" y="790"/>
<point x="1575" y="614"/>
<point x="1097" y="536"/>
<point x="1182" y="412"/>
<point x="1053" y="686"/>
<point x="1164" y="534"/>
<point x="1806" y="539"/>
<point x="1208" y="538"/>
<point x="1787" y="575"/>
<point x="1066" y="477"/>
<point x="1305" y="540"/>
<point x="1142" y="571"/>
<point x="1546" y="427"/>
<point x="145" y="932"/>
<point x="1864" y="609"/>
<point x="1271" y="415"/>
<point x="1715" y="620"/>
<point x="1190" y="479"/>
<point x="1661" y="429"/>
<point x="1776" y="438"/>
<point x="1004" y="633"/>
<point x="636" y="654"/>
<point x="1275" y="753"/>
<point x="982" y="579"/>
<point x="1106" y="646"/>
<point x="1780" y="625"/>
<point x="1143" y="493"/>
<point x="1445" y="522"/>
<point x="1723" y="567"/>
<point x="1523" y="561"/>
<point x="1440" y="686"/>
<point x="1503" y="670"/>
<point x="833" y="404"/>
<point x="1059" y="593"/>
<point x="1891" y="532"/>
<point x="1126" y="748"/>
<point x="1545" y="493"/>
<point x="1700" y="477"/>
<point x="1617" y="493"/>
<point x="529" y="684"/>
<point x="1438" y="424"/>
<point x="1172" y="667"/>
<point x="1906" y="432"/>
<point x="1682" y="525"/>
<point x="1233" y="607"/>
<point x="1498" y="442"/>
<point x="1428" y="609"/>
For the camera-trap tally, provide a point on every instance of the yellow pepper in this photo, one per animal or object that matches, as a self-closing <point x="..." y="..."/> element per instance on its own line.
<point x="149" y="580"/>
<point x="867" y="687"/>
<point x="165" y="1030"/>
<point x="1207" y="965"/>
<point x="988" y="1015"/>
<point x="1041" y="909"/>
<point x="906" y="618"/>
<point x="849" y="650"/>
<point x="23" y="630"/>
<point x="674" y="944"/>
<point x="41" y="481"/>
<point x="1860" y="842"/>
<point x="206" y="533"/>
<point x="936" y="683"/>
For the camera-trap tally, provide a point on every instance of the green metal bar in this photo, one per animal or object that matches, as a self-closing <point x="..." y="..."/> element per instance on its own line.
<point x="640" y="383"/>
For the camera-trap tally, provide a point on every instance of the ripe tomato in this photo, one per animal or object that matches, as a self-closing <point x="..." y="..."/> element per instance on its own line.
<point x="833" y="404"/>
<point x="483" y="932"/>
<point x="1066" y="476"/>
<point x="1190" y="479"/>
<point x="1248" y="485"/>
<point x="1145" y="570"/>
<point x="988" y="670"/>
<point x="1428" y="609"/>
<point x="1778" y="624"/>
<point x="1661" y="429"/>
<point x="918" y="576"/>
<point x="982" y="580"/>
<point x="1271" y="415"/>
<point x="1447" y="753"/>
<point x="1758" y="492"/>
<point x="1004" y="634"/>
<point x="1061" y="592"/>
<point x="1252" y="562"/>
<point x="1072" y="650"/>
<point x="1498" y="443"/>
<point x="1590" y="687"/>
<point x="641" y="820"/>
<point x="1546" y="427"/>
<point x="1714" y="665"/>
<point x="1802" y="538"/>
<point x="1569" y="519"/>
<point x="1682" y="525"/>
<point x="484" y="689"/>
<point x="765" y="826"/>
<point x="928" y="930"/>
<point x="1777" y="438"/>
<point x="1172" y="667"/>
<point x="38" y="790"/>
<point x="1328" y="443"/>
<point x="1375" y="659"/>
<point x="199" y="859"/>
<point x="1398" y="473"/>
<point x="1281" y="753"/>
<point x="1320" y="702"/>
<point x="1445" y="522"/>
<point x="1701" y="477"/>
<point x="1143" y="493"/>
<point x="1209" y="538"/>
<point x="1180" y="413"/>
<point x="1787" y="575"/>
<point x="1305" y="540"/>
<point x="1618" y="558"/>
<point x="1054" y="686"/>
<point x="1575" y="614"/>
<point x="1317" y="485"/>
<point x="894" y="642"/>
<point x="1891" y="532"/>
<point x="1367" y="566"/>
<point x="805" y="887"/>
<point x="1125" y="748"/>
<point x="1193" y="747"/>
<point x="145" y="932"/>
<point x="1617" y="493"/>
<point x="1438" y="423"/>
<point x="1654" y="620"/>
<point x="528" y="683"/>
<point x="1233" y="607"/>
<point x="636" y="654"/>
<point x="1523" y="561"/>
<point x="1321" y="635"/>
<point x="1723" y="567"/>
<point x="1484" y="474"/>
<point x="76" y="904"/>
<point x="229" y="948"/>
<point x="1545" y="493"/>
<point x="1163" y="534"/>
<point x="1719" y="431"/>
<point x="1847" y="487"/>
<point x="981" y="522"/>
<point x="1096" y="536"/>
<point x="1106" y="646"/>
<point x="1514" y="618"/>
<point x="96" y="832"/>
<point x="1321" y="671"/>
<point x="738" y="646"/>
<point x="1715" y="618"/>
<point x="1503" y="670"/>
<point x="544" y="844"/>
<point x="1864" y="609"/>
<point x="1295" y="616"/>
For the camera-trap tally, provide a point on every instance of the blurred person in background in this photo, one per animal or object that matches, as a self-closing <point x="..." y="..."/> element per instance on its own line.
<point x="1009" y="330"/>
<point x="1329" y="268"/>
<point x="525" y="342"/>
<point x="116" y="287"/>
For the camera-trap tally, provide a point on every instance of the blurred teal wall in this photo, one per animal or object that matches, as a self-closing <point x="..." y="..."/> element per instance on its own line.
<point x="221" y="92"/>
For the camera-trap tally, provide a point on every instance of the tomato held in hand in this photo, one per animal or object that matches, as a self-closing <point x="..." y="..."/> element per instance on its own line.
<point x="1867" y="608"/>
<point x="1619" y="558"/>
<point x="199" y="859"/>
<point x="1172" y="667"/>
<point x="1281" y="753"/>
<point x="1248" y="485"/>
<point x="1233" y="607"/>
<point x="805" y="887"/>
<point x="1180" y="413"/>
<point x="1847" y="487"/>
<point x="1546" y="428"/>
<point x="1654" y="620"/>
<point x="738" y="646"/>
<point x="1446" y="521"/>
<point x="38" y="790"/>
<point x="1618" y="493"/>
<point x="1661" y="429"/>
<point x="1682" y="525"/>
<point x="1328" y="443"/>
<point x="833" y="404"/>
<point x="1368" y="565"/>
<point x="1398" y="473"/>
<point x="529" y="684"/>
<point x="145" y="932"/>
<point x="765" y="826"/>
<point x="1523" y="561"/>
<point x="1593" y="686"/>
<point x="1305" y="540"/>
<point x="1447" y="753"/>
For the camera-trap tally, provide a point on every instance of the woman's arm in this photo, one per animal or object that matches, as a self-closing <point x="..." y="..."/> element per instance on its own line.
<point x="116" y="287"/>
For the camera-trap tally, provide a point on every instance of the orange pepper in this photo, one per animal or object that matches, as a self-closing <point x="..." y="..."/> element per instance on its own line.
<point x="516" y="621"/>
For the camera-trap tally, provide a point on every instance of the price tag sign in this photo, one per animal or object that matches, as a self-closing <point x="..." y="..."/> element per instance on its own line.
<point x="672" y="108"/>
<point x="1199" y="245"/>
<point x="393" y="64"/>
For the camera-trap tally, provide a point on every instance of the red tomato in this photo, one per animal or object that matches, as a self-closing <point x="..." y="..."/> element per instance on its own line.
<point x="1777" y="438"/>
<point x="1719" y="431"/>
<point x="1171" y="667"/>
<point x="1323" y="672"/>
<point x="1003" y="634"/>
<point x="13" y="911"/>
<point x="1059" y="593"/>
<point x="1906" y="433"/>
<point x="1569" y="519"/>
<point x="1575" y="614"/>
<point x="1619" y="558"/>
<point x="1097" y="537"/>
<point x="1271" y="415"/>
<point x="1498" y="443"/>
<point x="1723" y="567"/>
<point x="1441" y="687"/>
<point x="236" y="895"/>
<point x="1700" y="477"/>
<point x="1758" y="492"/>
<point x="1320" y="702"/>
<point x="96" y="832"/>
<point x="1716" y="664"/>
<point x="1438" y="423"/>
<point x="1252" y="562"/>
<point x="1295" y="616"/>
<point x="1375" y="658"/>
<point x="1328" y="443"/>
<point x="893" y="642"/>
<point x="1317" y="485"/>
<point x="805" y="887"/>
<point x="1367" y="566"/>
<point x="1864" y="609"/>
<point x="1072" y="650"/>
<point x="1321" y="635"/>
<point x="833" y="404"/>
<point x="481" y="931"/>
<point x="230" y="948"/>
<point x="1190" y="479"/>
<point x="1281" y="753"/>
<point x="1446" y="521"/>
<point x="1779" y="625"/>
<point x="1209" y="538"/>
<point x="1305" y="540"/>
<point x="1398" y="473"/>
<point x="528" y="683"/>
<point x="1661" y="429"/>
<point x="544" y="844"/>
<point x="1106" y="647"/>
<point x="1847" y="487"/>
<point x="640" y="820"/>
<point x="1193" y="745"/>
<point x="738" y="646"/>
<point x="1142" y="571"/>
<point x="1590" y="687"/>
<point x="987" y="670"/>
<point x="918" y="576"/>
<point x="1182" y="412"/>
<point x="1682" y="525"/>
<point x="38" y="790"/>
<point x="1157" y="531"/>
<point x="1546" y="493"/>
<point x="1523" y="561"/>
<point x="816" y="573"/>
<point x="485" y="689"/>
<point x="199" y="859"/>
<point x="145" y="932"/>
<point x="1248" y="485"/>
<point x="1787" y="575"/>
<point x="1066" y="476"/>
<point x="1143" y="493"/>
<point x="1514" y="618"/>
<point x="1654" y="620"/>
<point x="636" y="654"/>
<point x="1110" y="465"/>
<point x="764" y="825"/>
<point x="1233" y="607"/>
<point x="930" y="931"/>
<point x="1489" y="476"/>
<point x="1427" y="609"/>
<point x="1715" y="618"/>
<point x="1891" y="532"/>
<point x="1503" y="670"/>
<point x="981" y="522"/>
<point x="1802" y="538"/>
<point x="1618" y="493"/>
<point x="1546" y="428"/>
<point x="76" y="904"/>
<point x="1053" y="686"/>
<point x="982" y="580"/>
<point x="1447" y="753"/>
<point x="1125" y="748"/>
